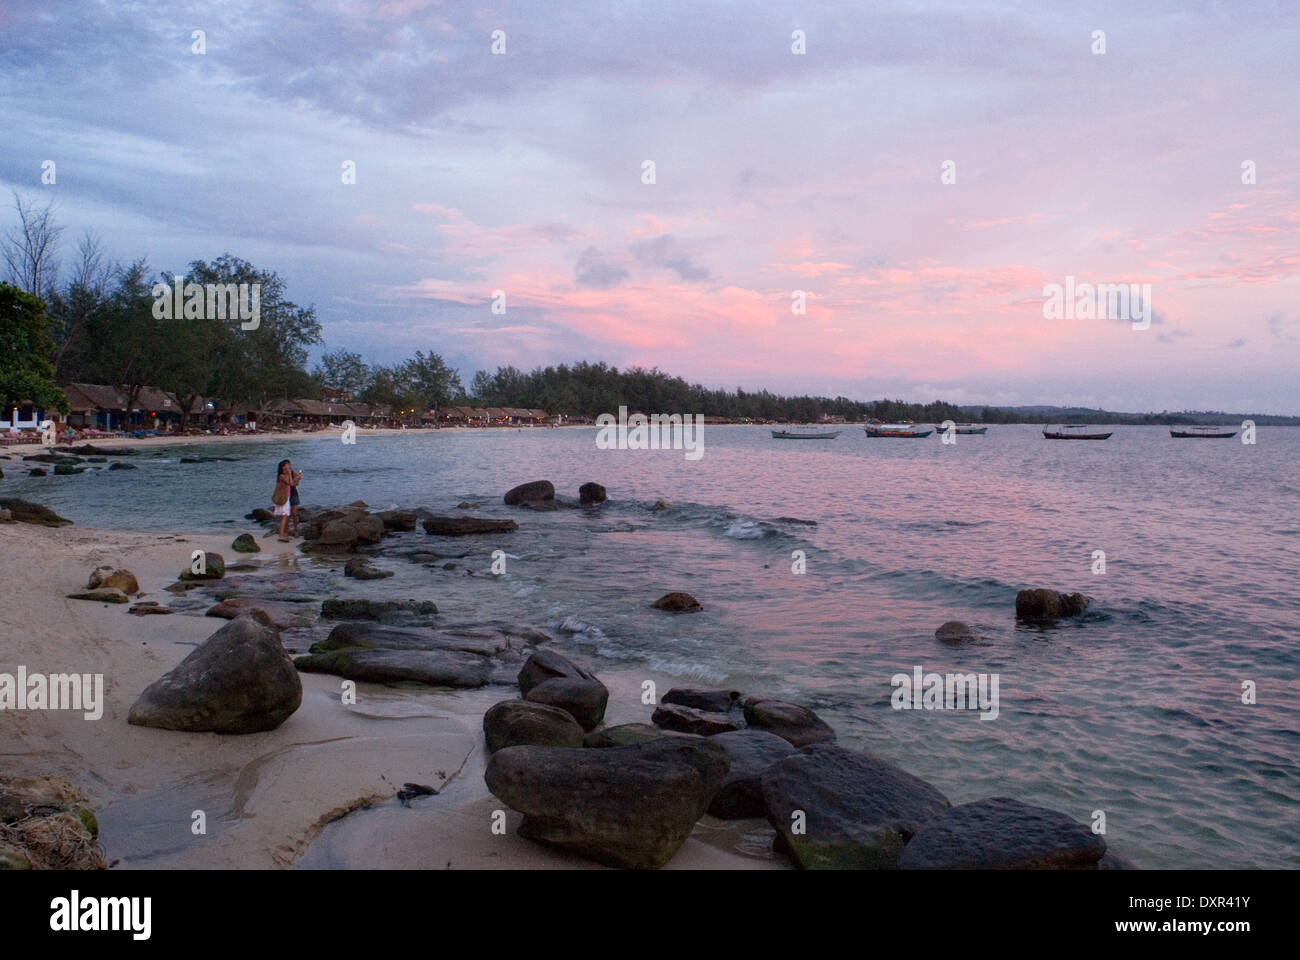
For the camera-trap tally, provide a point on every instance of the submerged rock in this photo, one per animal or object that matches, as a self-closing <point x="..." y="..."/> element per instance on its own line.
<point x="1002" y="834"/>
<point x="465" y="526"/>
<point x="1049" y="604"/>
<point x="856" y="811"/>
<point x="360" y="568"/>
<point x="239" y="680"/>
<point x="25" y="511"/>
<point x="677" y="601"/>
<point x="591" y="493"/>
<point x="789" y="721"/>
<point x="623" y="806"/>
<point x="513" y="723"/>
<point x="954" y="631"/>
<point x="536" y="490"/>
<point x="119" y="465"/>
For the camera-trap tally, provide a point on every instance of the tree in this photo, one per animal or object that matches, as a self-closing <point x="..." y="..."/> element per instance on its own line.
<point x="343" y="371"/>
<point x="429" y="382"/>
<point x="71" y="308"/>
<point x="31" y="248"/>
<point x="26" y="373"/>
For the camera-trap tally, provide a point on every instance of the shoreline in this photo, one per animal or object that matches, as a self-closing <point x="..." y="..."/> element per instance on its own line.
<point x="267" y="798"/>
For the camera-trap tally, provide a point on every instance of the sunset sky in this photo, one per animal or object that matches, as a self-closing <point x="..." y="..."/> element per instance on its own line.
<point x="775" y="172"/>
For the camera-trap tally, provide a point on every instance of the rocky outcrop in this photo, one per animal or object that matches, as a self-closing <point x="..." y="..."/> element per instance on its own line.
<point x="245" y="543"/>
<point x="673" y="716"/>
<point x="1042" y="604"/>
<point x="123" y="580"/>
<point x="525" y="492"/>
<point x="836" y="809"/>
<point x="1002" y="834"/>
<point x="750" y="753"/>
<point x="789" y="721"/>
<point x="623" y="806"/>
<point x="514" y="723"/>
<point x="239" y="680"/>
<point x="26" y="512"/>
<point x="341" y="531"/>
<point x="591" y="493"/>
<point x="677" y="602"/>
<point x="398" y="520"/>
<point x="582" y="698"/>
<point x="466" y="526"/>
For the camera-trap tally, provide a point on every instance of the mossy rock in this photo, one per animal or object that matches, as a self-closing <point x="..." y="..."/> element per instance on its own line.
<point x="88" y="820"/>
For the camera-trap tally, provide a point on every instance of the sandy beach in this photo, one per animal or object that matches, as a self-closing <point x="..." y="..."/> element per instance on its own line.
<point x="267" y="798"/>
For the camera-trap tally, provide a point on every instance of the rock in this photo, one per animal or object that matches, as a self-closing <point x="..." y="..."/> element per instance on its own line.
<point x="214" y="568"/>
<point x="660" y="506"/>
<point x="283" y="616"/>
<point x="590" y="493"/>
<point x="858" y="811"/>
<point x="103" y="595"/>
<point x="119" y="465"/>
<point x="464" y="526"/>
<point x="673" y="716"/>
<point x="5" y="515"/>
<point x="537" y="490"/>
<point x="545" y="665"/>
<point x="239" y="680"/>
<point x="245" y="543"/>
<point x="397" y="519"/>
<point x="26" y="512"/>
<point x="627" y="807"/>
<point x="437" y="668"/>
<point x="1113" y="861"/>
<point x="466" y="505"/>
<point x="383" y="611"/>
<point x="123" y="580"/>
<point x="584" y="699"/>
<point x="38" y="472"/>
<point x="627" y="734"/>
<point x="540" y="506"/>
<point x="677" y="601"/>
<point x="1002" y="834"/>
<point x="52" y="458"/>
<point x="67" y="470"/>
<point x="513" y="723"/>
<point x="750" y="752"/>
<point x="715" y="701"/>
<point x="262" y="515"/>
<point x="147" y="607"/>
<point x="954" y="631"/>
<point x="1048" y="604"/>
<point x="789" y="721"/>
<point x="485" y="641"/>
<point x="360" y="568"/>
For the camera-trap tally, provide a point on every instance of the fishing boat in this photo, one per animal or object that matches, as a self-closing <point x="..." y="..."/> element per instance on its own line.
<point x="1202" y="431"/>
<point x="971" y="428"/>
<point x="1074" y="431"/>
<point x="895" y="430"/>
<point x="804" y="435"/>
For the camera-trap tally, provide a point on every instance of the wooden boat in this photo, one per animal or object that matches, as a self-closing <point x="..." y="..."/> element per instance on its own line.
<point x="969" y="428"/>
<point x="796" y="435"/>
<point x="1065" y="433"/>
<point x="1202" y="431"/>
<point x="895" y="430"/>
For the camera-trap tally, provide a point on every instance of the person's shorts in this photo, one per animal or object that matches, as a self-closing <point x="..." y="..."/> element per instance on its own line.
<point x="282" y="510"/>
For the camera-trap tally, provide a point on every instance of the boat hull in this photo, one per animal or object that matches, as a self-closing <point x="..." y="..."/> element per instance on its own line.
<point x="909" y="435"/>
<point x="1050" y="435"/>
<point x="1184" y="435"/>
<point x="786" y="435"/>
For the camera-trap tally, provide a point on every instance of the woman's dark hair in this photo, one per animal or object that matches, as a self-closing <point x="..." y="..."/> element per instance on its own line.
<point x="279" y="469"/>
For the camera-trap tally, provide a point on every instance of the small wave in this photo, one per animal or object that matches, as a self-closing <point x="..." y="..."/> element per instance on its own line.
<point x="748" y="530"/>
<point x="573" y="624"/>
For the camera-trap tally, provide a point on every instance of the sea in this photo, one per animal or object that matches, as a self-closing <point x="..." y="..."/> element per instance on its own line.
<point x="1169" y="711"/>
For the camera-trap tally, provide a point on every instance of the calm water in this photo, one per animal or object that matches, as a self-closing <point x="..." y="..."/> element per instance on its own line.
<point x="1134" y="710"/>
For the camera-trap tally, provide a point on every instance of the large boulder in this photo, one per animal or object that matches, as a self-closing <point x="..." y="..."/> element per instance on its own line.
<point x="715" y="701"/>
<point x="525" y="492"/>
<point x="486" y="641"/>
<point x="239" y="680"/>
<point x="583" y="699"/>
<point x="836" y="809"/>
<point x="436" y="668"/>
<point x="546" y="664"/>
<point x="623" y="806"/>
<point x="1049" y="604"/>
<point x="1002" y="834"/>
<point x="26" y="512"/>
<point x="628" y="734"/>
<point x="591" y="493"/>
<point x="673" y="716"/>
<point x="799" y="725"/>
<point x="513" y="723"/>
<point x="677" y="602"/>
<point x="750" y="753"/>
<point x="465" y="526"/>
<point x="123" y="580"/>
<point x="214" y="568"/>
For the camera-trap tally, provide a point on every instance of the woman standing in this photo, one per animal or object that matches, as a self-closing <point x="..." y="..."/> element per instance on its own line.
<point x="295" y="478"/>
<point x="280" y="498"/>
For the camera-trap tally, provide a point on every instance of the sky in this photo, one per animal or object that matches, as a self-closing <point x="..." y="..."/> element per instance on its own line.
<point x="920" y="172"/>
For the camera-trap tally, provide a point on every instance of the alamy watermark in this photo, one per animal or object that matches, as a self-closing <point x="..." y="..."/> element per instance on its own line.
<point x="659" y="431"/>
<point x="1102" y="301"/>
<point x="210" y="301"/>
<point x="54" y="691"/>
<point x="953" y="691"/>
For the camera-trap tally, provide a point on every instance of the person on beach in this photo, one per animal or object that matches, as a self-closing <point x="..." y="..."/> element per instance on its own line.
<point x="295" y="477"/>
<point x="280" y="499"/>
